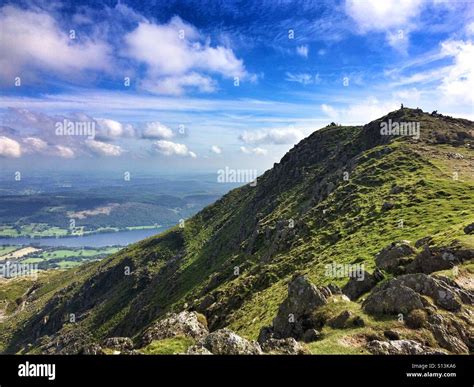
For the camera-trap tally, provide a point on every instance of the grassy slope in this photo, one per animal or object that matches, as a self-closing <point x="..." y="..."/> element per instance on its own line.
<point x="439" y="206"/>
<point x="185" y="265"/>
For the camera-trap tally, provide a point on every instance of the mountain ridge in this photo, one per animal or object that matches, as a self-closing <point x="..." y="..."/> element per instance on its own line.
<point x="336" y="197"/>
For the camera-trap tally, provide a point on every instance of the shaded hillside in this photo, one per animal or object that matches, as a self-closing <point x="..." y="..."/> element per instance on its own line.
<point x="338" y="197"/>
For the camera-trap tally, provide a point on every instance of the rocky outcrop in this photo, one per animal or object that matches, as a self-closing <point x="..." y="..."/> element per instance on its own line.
<point x="198" y="350"/>
<point x="92" y="349"/>
<point x="416" y="319"/>
<point x="288" y="346"/>
<point x="450" y="333"/>
<point x="303" y="298"/>
<point x="469" y="229"/>
<point x="340" y="321"/>
<point x="311" y="335"/>
<point x="118" y="343"/>
<point x="423" y="241"/>
<point x="444" y="292"/>
<point x="392" y="298"/>
<point x="393" y="256"/>
<point x="403" y="294"/>
<point x="71" y="342"/>
<point x="330" y="290"/>
<point x="188" y="324"/>
<point x="226" y="342"/>
<point x="401" y="347"/>
<point x="433" y="259"/>
<point x="358" y="285"/>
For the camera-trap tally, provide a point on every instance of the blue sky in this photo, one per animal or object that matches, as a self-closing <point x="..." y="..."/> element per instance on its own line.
<point x="200" y="85"/>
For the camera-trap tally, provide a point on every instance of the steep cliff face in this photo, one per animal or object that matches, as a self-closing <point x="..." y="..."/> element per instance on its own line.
<point x="334" y="201"/>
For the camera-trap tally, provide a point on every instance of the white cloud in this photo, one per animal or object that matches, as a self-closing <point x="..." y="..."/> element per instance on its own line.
<point x="63" y="151"/>
<point x="376" y="15"/>
<point x="157" y="130"/>
<point x="397" y="18"/>
<point x="409" y="97"/>
<point x="303" y="78"/>
<point x="169" y="148"/>
<point x="360" y="112"/>
<point x="21" y="118"/>
<point x="34" y="144"/>
<point x="458" y="84"/>
<point x="103" y="149"/>
<point x="256" y="151"/>
<point x="177" y="61"/>
<point x="39" y="146"/>
<point x="329" y="110"/>
<point x="178" y="84"/>
<point x="470" y="29"/>
<point x="398" y="40"/>
<point x="111" y="129"/>
<point x="453" y="83"/>
<point x="31" y="40"/>
<point x="302" y="51"/>
<point x="9" y="147"/>
<point x="272" y="136"/>
<point x="215" y="149"/>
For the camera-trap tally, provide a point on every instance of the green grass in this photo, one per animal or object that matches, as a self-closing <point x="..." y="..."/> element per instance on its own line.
<point x="442" y="218"/>
<point x="12" y="290"/>
<point x="67" y="258"/>
<point x="32" y="260"/>
<point x="170" y="346"/>
<point x="43" y="230"/>
<point x="7" y="231"/>
<point x="7" y="249"/>
<point x="346" y="225"/>
<point x="66" y="253"/>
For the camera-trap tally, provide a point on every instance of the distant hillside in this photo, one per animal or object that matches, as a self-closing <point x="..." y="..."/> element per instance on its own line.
<point x="339" y="197"/>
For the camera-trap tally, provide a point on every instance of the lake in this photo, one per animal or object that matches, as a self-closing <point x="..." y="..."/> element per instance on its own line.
<point x="119" y="238"/>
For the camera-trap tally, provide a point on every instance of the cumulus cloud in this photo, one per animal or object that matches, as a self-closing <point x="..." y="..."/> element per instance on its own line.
<point x="9" y="147"/>
<point x="21" y="118"/>
<point x="180" y="58"/>
<point x="215" y="149"/>
<point x="34" y="144"/>
<point x="378" y="15"/>
<point x="157" y="130"/>
<point x="396" y="18"/>
<point x="32" y="40"/>
<point x="169" y="148"/>
<point x="272" y="136"/>
<point x="63" y="151"/>
<point x="103" y="148"/>
<point x="39" y="134"/>
<point x="256" y="151"/>
<point x="302" y="51"/>
<point x="110" y="129"/>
